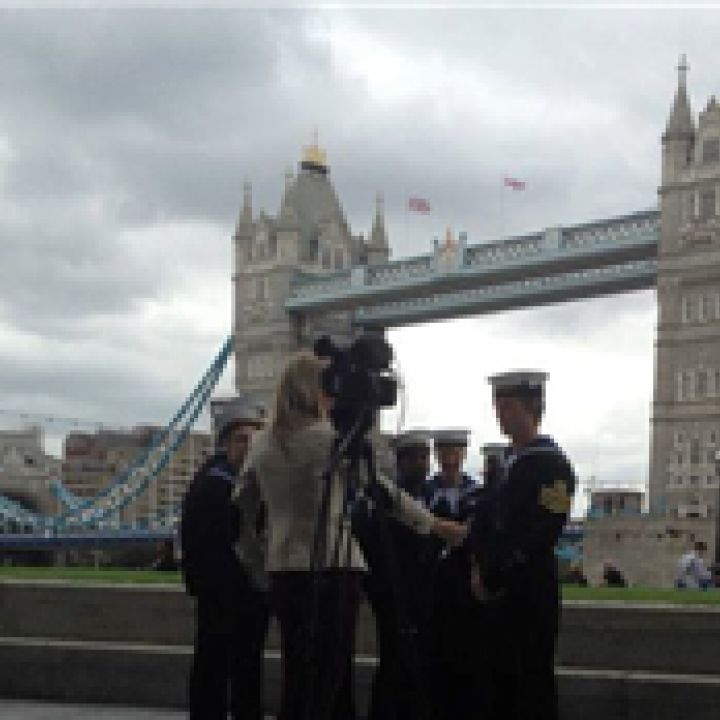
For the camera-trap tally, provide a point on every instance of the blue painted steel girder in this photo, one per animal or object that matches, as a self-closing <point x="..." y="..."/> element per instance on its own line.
<point x="555" y="252"/>
<point x="533" y="292"/>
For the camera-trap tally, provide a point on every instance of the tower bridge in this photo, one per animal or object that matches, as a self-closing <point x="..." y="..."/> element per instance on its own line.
<point x="304" y="272"/>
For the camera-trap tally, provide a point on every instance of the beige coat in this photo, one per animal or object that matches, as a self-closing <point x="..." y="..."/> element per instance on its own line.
<point x="288" y="482"/>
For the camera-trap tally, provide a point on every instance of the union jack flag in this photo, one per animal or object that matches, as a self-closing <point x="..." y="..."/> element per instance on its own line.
<point x="419" y="205"/>
<point x="514" y="183"/>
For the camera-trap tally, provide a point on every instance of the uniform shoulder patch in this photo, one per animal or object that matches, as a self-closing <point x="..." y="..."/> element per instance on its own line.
<point x="555" y="497"/>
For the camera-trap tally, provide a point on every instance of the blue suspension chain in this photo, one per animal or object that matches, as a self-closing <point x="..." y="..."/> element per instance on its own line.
<point x="121" y="488"/>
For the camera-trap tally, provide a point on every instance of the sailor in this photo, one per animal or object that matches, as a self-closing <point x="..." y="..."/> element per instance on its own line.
<point x="231" y="611"/>
<point x="445" y="490"/>
<point x="455" y="621"/>
<point x="398" y="589"/>
<point x="514" y="569"/>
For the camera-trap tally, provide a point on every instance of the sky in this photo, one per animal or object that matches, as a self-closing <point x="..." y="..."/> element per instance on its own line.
<point x="126" y="136"/>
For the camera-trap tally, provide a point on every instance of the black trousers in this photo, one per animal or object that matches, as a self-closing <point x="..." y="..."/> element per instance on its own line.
<point x="226" y="672"/>
<point x="399" y="687"/>
<point x="317" y="632"/>
<point x="520" y="662"/>
<point x="457" y="632"/>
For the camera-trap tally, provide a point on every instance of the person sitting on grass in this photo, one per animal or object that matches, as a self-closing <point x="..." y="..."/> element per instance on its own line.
<point x="612" y="577"/>
<point x="575" y="575"/>
<point x="692" y="571"/>
<point x="165" y="561"/>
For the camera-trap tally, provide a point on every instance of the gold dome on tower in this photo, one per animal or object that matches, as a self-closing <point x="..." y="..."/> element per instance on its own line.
<point x="314" y="157"/>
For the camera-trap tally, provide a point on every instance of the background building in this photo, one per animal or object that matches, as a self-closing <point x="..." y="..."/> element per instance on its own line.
<point x="92" y="460"/>
<point x="615" y="502"/>
<point x="646" y="550"/>
<point x="26" y="470"/>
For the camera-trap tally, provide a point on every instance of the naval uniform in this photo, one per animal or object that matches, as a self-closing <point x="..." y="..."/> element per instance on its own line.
<point x="231" y="614"/>
<point x="447" y="502"/>
<point x="456" y="619"/>
<point x="512" y="540"/>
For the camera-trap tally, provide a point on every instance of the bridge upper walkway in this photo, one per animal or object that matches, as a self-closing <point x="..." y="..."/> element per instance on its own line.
<point x="560" y="263"/>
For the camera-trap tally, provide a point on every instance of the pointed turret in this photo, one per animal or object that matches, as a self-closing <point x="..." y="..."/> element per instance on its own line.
<point x="679" y="138"/>
<point x="246" y="218"/>
<point x="680" y="123"/>
<point x="378" y="234"/>
<point x="378" y="250"/>
<point x="289" y="177"/>
<point x="288" y="217"/>
<point x="710" y="115"/>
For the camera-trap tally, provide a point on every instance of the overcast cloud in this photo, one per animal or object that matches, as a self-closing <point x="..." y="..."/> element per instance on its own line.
<point x="125" y="137"/>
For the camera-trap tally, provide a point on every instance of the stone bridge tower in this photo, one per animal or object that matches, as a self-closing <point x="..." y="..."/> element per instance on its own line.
<point x="686" y="411"/>
<point x="309" y="235"/>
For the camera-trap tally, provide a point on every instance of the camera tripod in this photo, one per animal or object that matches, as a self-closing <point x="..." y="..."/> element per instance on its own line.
<point x="367" y="503"/>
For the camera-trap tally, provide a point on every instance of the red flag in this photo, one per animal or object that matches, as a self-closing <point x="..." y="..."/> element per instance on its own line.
<point x="514" y="183"/>
<point x="418" y="205"/>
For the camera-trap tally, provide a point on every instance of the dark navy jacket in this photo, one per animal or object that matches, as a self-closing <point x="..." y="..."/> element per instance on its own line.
<point x="515" y="530"/>
<point x="400" y="562"/>
<point x="209" y="527"/>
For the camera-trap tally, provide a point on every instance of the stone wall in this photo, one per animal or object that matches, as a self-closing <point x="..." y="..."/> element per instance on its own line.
<point x="645" y="549"/>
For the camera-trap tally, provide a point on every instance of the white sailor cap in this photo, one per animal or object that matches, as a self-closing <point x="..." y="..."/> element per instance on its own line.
<point x="493" y="450"/>
<point x="457" y="437"/>
<point x="519" y="383"/>
<point x="412" y="439"/>
<point x="244" y="410"/>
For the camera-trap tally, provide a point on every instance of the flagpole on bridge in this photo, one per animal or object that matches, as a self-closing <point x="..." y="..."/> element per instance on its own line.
<point x="513" y="184"/>
<point x="415" y="204"/>
<point x="503" y="187"/>
<point x="406" y="213"/>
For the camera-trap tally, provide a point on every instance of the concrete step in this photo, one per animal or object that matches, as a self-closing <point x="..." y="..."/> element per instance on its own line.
<point x="624" y="636"/>
<point x="133" y="674"/>
<point x="660" y="638"/>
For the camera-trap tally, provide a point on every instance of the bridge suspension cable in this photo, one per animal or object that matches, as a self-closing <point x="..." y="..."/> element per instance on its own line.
<point x="74" y="504"/>
<point x="136" y="478"/>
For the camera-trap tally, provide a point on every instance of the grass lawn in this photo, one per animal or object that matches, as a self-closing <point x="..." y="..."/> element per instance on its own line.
<point x="83" y="574"/>
<point x="108" y="575"/>
<point x="643" y="595"/>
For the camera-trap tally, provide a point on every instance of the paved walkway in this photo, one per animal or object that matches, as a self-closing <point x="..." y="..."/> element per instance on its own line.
<point x="28" y="710"/>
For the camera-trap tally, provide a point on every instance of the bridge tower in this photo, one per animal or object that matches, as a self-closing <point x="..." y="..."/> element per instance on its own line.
<point x="310" y="235"/>
<point x="685" y="431"/>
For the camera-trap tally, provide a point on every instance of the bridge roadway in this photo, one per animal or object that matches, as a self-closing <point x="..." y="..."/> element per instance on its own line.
<point x="85" y="539"/>
<point x="557" y="264"/>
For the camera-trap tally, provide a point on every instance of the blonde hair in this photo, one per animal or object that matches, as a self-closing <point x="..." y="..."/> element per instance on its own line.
<point x="297" y="397"/>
